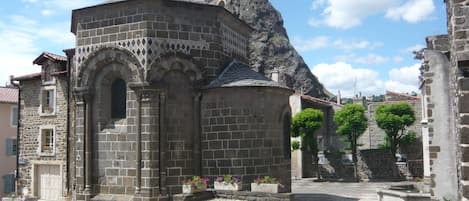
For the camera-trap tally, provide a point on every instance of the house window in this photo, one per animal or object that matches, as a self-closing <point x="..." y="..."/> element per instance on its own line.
<point x="14" y="116"/>
<point x="118" y="99"/>
<point x="46" y="141"/>
<point x="8" y="183"/>
<point x="11" y="147"/>
<point x="48" y="101"/>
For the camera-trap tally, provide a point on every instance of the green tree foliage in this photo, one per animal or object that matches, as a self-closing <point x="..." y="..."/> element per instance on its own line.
<point x="394" y="119"/>
<point x="352" y="122"/>
<point x="304" y="124"/>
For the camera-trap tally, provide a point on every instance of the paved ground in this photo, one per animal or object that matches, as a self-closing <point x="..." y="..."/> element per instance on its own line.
<point x="307" y="190"/>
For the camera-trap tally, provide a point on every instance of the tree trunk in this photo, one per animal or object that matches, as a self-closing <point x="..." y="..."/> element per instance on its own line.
<point x="393" y="147"/>
<point x="318" y="171"/>
<point x="353" y="146"/>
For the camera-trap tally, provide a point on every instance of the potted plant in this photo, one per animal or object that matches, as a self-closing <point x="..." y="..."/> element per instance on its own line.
<point x="228" y="182"/>
<point x="266" y="184"/>
<point x="194" y="184"/>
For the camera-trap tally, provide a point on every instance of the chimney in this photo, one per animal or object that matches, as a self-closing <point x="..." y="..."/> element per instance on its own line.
<point x="274" y="75"/>
<point x="339" y="98"/>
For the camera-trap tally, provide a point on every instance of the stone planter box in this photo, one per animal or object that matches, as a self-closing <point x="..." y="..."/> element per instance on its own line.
<point x="187" y="188"/>
<point x="266" y="188"/>
<point x="394" y="195"/>
<point x="228" y="186"/>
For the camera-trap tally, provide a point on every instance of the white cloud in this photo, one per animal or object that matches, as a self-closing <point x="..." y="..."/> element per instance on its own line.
<point x="62" y="4"/>
<point x="314" y="22"/>
<point x="352" y="80"/>
<point x="406" y="75"/>
<point x="320" y="42"/>
<point x="362" y="44"/>
<point x="412" y="11"/>
<point x="47" y="12"/>
<point x="20" y="45"/>
<point x="368" y="59"/>
<point x="317" y="3"/>
<point x="412" y="49"/>
<point x="345" y="14"/>
<point x="397" y="59"/>
<point x="347" y="79"/>
<point x="315" y="43"/>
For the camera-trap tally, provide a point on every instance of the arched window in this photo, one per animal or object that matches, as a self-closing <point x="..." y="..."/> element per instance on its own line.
<point x="118" y="99"/>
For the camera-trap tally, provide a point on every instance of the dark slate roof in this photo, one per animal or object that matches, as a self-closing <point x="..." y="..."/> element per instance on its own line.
<point x="241" y="75"/>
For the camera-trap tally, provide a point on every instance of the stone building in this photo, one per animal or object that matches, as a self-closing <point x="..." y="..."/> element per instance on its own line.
<point x="444" y="86"/>
<point x="328" y="140"/>
<point x="154" y="92"/>
<point x="374" y="136"/>
<point x="8" y="128"/>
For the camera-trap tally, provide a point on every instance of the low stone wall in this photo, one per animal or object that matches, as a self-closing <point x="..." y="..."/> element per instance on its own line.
<point x="235" y="195"/>
<point x="377" y="164"/>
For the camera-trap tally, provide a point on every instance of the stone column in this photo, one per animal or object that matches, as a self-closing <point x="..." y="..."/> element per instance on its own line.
<point x="138" y="149"/>
<point x="197" y="159"/>
<point x="83" y="130"/>
<point x="163" y="145"/>
<point x="88" y="98"/>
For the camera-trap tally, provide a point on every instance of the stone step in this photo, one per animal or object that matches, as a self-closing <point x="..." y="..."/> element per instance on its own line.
<point x="108" y="197"/>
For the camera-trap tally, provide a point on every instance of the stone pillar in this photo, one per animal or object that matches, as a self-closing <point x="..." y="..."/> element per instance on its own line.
<point x="163" y="145"/>
<point x="138" y="150"/>
<point x="197" y="159"/>
<point x="83" y="144"/>
<point x="88" y="141"/>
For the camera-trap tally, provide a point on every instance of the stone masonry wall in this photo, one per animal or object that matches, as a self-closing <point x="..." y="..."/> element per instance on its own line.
<point x="150" y="29"/>
<point x="244" y="137"/>
<point x="30" y="123"/>
<point x="458" y="13"/>
<point x="374" y="136"/>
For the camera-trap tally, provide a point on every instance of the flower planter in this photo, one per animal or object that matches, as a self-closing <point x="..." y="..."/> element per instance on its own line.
<point x="266" y="188"/>
<point x="228" y="186"/>
<point x="187" y="188"/>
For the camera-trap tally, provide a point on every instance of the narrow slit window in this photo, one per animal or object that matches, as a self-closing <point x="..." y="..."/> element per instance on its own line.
<point x="118" y="99"/>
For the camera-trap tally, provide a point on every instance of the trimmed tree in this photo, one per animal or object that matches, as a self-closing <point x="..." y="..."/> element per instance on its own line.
<point x="352" y="122"/>
<point x="394" y="120"/>
<point x="304" y="125"/>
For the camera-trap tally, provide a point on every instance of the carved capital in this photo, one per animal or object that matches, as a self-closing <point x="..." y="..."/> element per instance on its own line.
<point x="83" y="94"/>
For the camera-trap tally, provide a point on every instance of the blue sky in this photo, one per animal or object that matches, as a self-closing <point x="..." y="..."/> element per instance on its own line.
<point x="350" y="45"/>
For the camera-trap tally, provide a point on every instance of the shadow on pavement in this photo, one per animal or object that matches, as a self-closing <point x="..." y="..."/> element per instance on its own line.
<point x="320" y="197"/>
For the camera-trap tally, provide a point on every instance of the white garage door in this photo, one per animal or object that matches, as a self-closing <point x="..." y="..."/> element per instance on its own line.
<point x="49" y="182"/>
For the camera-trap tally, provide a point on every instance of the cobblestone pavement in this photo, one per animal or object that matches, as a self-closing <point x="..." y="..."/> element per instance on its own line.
<point x="307" y="190"/>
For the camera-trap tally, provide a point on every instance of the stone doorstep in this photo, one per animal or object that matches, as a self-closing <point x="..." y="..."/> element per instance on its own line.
<point x="110" y="197"/>
<point x="212" y="194"/>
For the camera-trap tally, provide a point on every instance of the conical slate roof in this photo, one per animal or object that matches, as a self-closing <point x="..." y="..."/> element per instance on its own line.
<point x="240" y="75"/>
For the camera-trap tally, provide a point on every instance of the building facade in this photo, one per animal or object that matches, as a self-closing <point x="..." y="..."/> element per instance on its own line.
<point x="153" y="93"/>
<point x="8" y="131"/>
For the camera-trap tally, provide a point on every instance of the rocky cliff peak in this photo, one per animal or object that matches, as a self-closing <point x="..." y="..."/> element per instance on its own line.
<point x="270" y="47"/>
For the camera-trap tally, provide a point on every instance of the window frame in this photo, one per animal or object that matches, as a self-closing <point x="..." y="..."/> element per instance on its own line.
<point x="10" y="187"/>
<point x="47" y="72"/>
<point x="54" y="134"/>
<point x="11" y="153"/>
<point x="12" y="117"/>
<point x="44" y="90"/>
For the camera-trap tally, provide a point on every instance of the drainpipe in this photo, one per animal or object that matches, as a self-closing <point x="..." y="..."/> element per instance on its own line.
<point x="17" y="173"/>
<point x="68" y="65"/>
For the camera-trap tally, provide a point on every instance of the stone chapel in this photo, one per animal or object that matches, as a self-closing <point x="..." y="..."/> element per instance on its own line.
<point x="155" y="91"/>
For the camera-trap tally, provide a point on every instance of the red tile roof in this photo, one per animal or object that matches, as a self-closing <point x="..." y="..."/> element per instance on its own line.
<point x="318" y="100"/>
<point x="402" y="94"/>
<point x="27" y="77"/>
<point x="47" y="55"/>
<point x="8" y="95"/>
